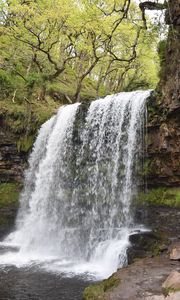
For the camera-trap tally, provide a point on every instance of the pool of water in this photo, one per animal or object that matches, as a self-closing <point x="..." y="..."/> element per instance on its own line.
<point x="33" y="283"/>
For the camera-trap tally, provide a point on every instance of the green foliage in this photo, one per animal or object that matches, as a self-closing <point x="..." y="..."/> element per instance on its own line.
<point x="90" y="50"/>
<point x="161" y="197"/>
<point x="96" y="291"/>
<point x="32" y="79"/>
<point x="9" y="194"/>
<point x="6" y="86"/>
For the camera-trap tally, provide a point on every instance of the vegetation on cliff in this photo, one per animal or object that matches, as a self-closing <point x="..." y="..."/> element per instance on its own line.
<point x="161" y="197"/>
<point x="9" y="194"/>
<point x="24" y="119"/>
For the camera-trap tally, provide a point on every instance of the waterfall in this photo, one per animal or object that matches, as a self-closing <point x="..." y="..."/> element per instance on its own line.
<point x="76" y="209"/>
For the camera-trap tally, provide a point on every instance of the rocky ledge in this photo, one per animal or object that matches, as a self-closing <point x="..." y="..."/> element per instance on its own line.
<point x="148" y="279"/>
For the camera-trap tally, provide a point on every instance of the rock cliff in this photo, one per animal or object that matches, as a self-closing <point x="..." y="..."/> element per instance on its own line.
<point x="12" y="162"/>
<point x="164" y="111"/>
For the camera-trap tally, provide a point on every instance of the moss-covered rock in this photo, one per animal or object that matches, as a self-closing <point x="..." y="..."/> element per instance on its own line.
<point x="172" y="283"/>
<point x="97" y="291"/>
<point x="146" y="244"/>
<point x="9" y="194"/>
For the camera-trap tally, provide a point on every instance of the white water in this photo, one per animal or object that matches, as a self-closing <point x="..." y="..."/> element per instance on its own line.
<point x="75" y="211"/>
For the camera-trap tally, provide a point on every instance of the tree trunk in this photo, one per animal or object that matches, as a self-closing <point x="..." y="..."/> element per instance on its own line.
<point x="78" y="91"/>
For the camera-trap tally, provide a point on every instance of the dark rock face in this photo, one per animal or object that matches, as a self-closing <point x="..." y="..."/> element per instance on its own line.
<point x="164" y="151"/>
<point x="164" y="115"/>
<point x="143" y="245"/>
<point x="162" y="234"/>
<point x="7" y="219"/>
<point x="12" y="162"/>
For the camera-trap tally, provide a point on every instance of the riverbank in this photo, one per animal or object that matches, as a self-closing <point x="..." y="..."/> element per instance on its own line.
<point x="141" y="280"/>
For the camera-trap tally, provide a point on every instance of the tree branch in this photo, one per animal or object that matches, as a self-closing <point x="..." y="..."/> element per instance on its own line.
<point x="149" y="5"/>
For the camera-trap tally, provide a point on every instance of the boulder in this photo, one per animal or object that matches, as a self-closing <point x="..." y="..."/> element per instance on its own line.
<point x="172" y="282"/>
<point x="175" y="253"/>
<point x="173" y="296"/>
<point x="145" y="244"/>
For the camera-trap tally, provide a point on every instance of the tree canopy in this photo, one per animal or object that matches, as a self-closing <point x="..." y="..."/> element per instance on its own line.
<point x="73" y="50"/>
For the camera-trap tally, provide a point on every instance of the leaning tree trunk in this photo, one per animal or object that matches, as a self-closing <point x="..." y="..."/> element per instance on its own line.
<point x="164" y="121"/>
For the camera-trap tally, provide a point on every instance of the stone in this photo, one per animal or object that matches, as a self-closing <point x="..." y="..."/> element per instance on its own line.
<point x="172" y="282"/>
<point x="173" y="296"/>
<point x="155" y="297"/>
<point x="142" y="244"/>
<point x="175" y="253"/>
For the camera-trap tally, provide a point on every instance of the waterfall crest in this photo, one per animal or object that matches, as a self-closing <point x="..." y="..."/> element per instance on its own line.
<point x="76" y="206"/>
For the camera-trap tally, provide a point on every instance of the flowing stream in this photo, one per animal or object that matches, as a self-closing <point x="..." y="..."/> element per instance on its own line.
<point x="76" y="208"/>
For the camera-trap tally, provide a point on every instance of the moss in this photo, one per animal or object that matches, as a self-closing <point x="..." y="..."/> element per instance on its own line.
<point x="9" y="194"/>
<point x="161" y="197"/>
<point x="94" y="292"/>
<point x="146" y="169"/>
<point x="167" y="291"/>
<point x="160" y="244"/>
<point x="97" y="291"/>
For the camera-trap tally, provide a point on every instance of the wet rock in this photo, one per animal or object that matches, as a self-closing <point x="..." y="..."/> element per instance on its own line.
<point x="175" y="253"/>
<point x="7" y="219"/>
<point x="172" y="282"/>
<point x="145" y="244"/>
<point x="155" y="217"/>
<point x="12" y="162"/>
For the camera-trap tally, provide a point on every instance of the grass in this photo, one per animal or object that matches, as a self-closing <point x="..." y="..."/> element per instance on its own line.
<point x="169" y="197"/>
<point x="9" y="194"/>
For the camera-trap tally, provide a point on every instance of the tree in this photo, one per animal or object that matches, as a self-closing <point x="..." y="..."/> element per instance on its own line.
<point x="96" y="46"/>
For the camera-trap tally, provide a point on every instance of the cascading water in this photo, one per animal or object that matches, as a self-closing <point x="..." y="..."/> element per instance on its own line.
<point x="76" y="207"/>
